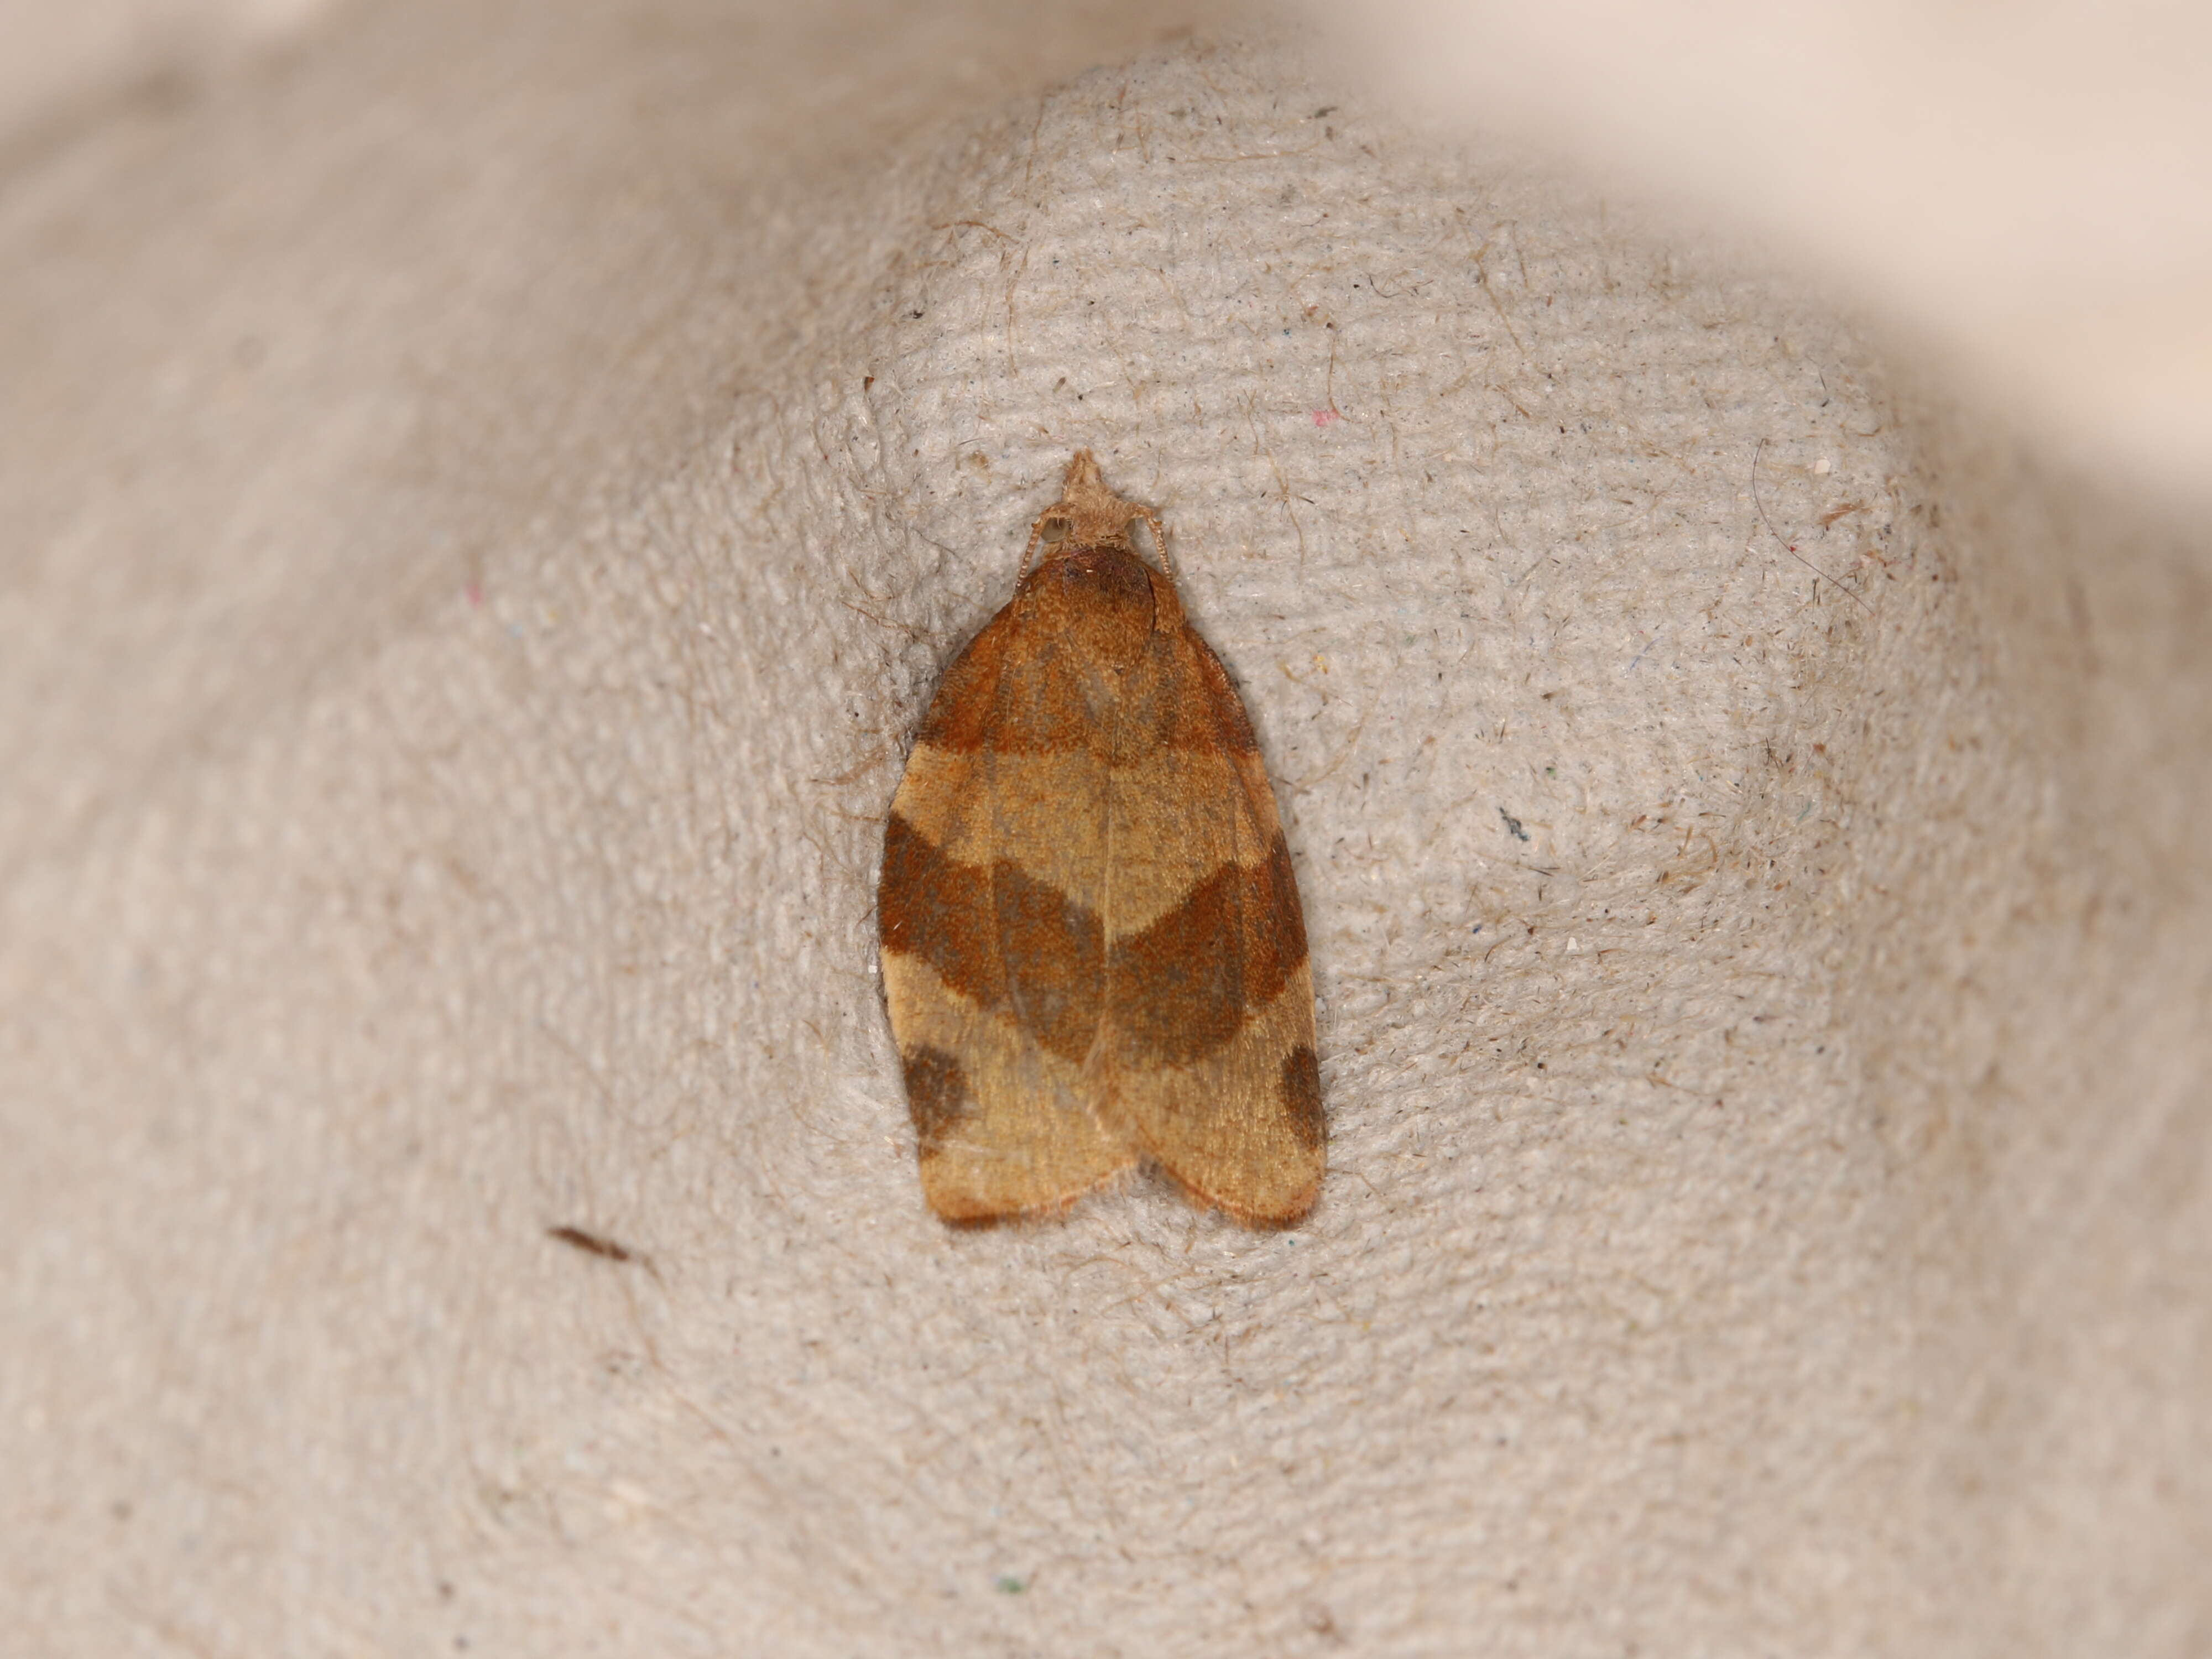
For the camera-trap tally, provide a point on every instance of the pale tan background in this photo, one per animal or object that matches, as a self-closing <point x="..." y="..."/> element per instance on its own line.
<point x="485" y="493"/>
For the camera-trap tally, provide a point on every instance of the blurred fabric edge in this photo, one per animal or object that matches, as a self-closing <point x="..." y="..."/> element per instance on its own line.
<point x="2023" y="199"/>
<point x="2020" y="196"/>
<point x="61" y="60"/>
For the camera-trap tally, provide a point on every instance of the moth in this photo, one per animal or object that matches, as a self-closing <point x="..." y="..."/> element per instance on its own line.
<point x="1093" y="953"/>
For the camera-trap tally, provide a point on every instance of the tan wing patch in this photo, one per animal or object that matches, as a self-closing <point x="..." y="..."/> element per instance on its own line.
<point x="1004" y="1127"/>
<point x="1209" y="996"/>
<point x="1240" y="1128"/>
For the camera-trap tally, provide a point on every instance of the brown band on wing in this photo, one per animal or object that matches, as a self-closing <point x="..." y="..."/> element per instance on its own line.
<point x="1185" y="985"/>
<point x="936" y="1094"/>
<point x="959" y="715"/>
<point x="1221" y="709"/>
<point x="1054" y="953"/>
<point x="1301" y="1098"/>
<point x="997" y="936"/>
<point x="1275" y="924"/>
<point x="929" y="905"/>
<point x="1045" y="703"/>
<point x="1086" y="622"/>
<point x="1177" y="698"/>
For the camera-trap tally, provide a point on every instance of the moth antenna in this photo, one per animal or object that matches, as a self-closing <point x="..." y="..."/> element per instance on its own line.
<point x="1037" y="533"/>
<point x="1159" y="538"/>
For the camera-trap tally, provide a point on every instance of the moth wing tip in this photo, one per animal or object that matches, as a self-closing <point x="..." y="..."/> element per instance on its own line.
<point x="1261" y="1211"/>
<point x="965" y="1212"/>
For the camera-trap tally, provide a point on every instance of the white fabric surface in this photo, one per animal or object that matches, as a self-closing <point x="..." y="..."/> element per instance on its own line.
<point x="2023" y="194"/>
<point x="487" y="495"/>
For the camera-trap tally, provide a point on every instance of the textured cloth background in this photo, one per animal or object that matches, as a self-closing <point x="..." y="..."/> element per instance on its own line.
<point x="486" y="495"/>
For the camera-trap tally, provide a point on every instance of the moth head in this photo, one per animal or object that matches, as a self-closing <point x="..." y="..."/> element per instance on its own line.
<point x="1088" y="515"/>
<point x="1087" y="512"/>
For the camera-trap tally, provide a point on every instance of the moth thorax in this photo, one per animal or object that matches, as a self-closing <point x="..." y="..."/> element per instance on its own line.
<point x="1099" y="597"/>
